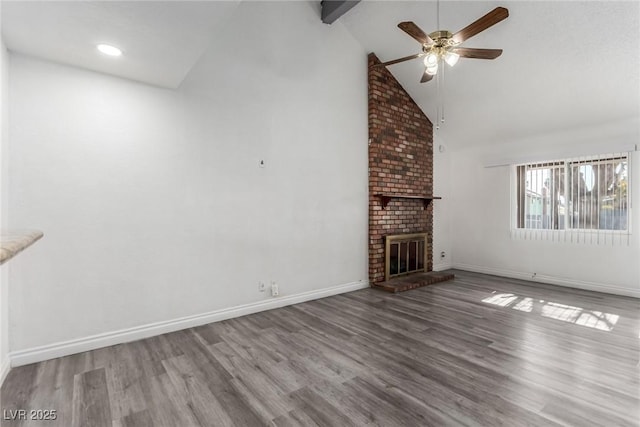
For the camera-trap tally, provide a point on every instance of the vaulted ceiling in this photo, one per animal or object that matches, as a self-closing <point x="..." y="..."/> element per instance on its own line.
<point x="162" y="40"/>
<point x="566" y="64"/>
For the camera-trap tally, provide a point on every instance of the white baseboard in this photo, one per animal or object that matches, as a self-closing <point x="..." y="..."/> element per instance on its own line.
<point x="4" y="370"/>
<point x="552" y="280"/>
<point x="442" y="266"/>
<point x="51" y="351"/>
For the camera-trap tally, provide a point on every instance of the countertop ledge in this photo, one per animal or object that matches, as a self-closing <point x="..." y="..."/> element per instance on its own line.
<point x="14" y="242"/>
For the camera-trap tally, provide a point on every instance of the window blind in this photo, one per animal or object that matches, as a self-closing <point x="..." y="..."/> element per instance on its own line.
<point x="577" y="200"/>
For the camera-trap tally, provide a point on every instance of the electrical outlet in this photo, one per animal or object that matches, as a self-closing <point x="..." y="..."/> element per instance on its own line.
<point x="261" y="287"/>
<point x="274" y="289"/>
<point x="442" y="255"/>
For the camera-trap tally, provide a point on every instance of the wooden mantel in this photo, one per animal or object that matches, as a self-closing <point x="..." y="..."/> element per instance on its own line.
<point x="385" y="198"/>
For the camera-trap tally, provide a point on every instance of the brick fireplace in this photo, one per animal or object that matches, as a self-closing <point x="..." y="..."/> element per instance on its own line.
<point x="400" y="169"/>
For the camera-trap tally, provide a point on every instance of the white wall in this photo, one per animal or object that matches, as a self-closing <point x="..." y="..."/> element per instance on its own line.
<point x="4" y="141"/>
<point x="442" y="225"/>
<point x="152" y="201"/>
<point x="480" y="210"/>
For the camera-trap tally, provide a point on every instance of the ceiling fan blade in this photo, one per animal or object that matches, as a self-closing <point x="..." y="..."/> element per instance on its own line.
<point x="425" y="77"/>
<point x="469" y="52"/>
<point x="414" y="31"/>
<point x="491" y="18"/>
<point x="406" y="58"/>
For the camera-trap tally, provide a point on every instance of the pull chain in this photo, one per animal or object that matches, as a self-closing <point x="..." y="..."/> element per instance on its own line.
<point x="439" y="79"/>
<point x="442" y="91"/>
<point x="438" y="101"/>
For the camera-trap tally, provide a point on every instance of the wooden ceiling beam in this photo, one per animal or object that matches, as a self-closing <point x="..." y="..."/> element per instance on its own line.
<point x="334" y="9"/>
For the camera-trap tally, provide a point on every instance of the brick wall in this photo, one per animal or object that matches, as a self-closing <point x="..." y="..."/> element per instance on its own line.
<point x="400" y="161"/>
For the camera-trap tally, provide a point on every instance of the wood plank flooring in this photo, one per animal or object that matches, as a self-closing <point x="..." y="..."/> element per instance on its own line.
<point x="478" y="351"/>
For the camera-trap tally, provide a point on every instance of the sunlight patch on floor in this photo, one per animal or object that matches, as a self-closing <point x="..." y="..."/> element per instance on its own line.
<point x="566" y="313"/>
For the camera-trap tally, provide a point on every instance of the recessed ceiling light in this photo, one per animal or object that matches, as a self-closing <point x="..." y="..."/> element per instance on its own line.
<point x="109" y="50"/>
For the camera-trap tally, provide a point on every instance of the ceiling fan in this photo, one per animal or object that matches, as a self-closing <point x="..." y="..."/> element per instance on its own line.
<point x="443" y="45"/>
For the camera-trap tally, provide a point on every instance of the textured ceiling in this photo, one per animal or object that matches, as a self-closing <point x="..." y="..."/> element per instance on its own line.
<point x="162" y="40"/>
<point x="565" y="65"/>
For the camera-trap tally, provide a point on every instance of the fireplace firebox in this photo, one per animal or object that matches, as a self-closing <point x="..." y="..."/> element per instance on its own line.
<point x="405" y="254"/>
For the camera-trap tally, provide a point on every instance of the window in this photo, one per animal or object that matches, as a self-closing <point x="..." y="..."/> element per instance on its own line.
<point x="581" y="194"/>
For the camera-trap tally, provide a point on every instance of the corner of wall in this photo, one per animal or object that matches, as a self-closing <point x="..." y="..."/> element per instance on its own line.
<point x="4" y="285"/>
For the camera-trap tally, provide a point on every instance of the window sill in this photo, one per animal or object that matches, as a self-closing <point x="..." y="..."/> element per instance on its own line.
<point x="12" y="243"/>
<point x="582" y="236"/>
<point x="571" y="231"/>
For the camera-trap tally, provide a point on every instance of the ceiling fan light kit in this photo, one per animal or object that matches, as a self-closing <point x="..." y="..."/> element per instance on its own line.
<point x="430" y="59"/>
<point x="451" y="58"/>
<point x="444" y="46"/>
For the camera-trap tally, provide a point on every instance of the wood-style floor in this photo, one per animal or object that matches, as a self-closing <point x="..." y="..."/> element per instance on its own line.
<point x="479" y="350"/>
